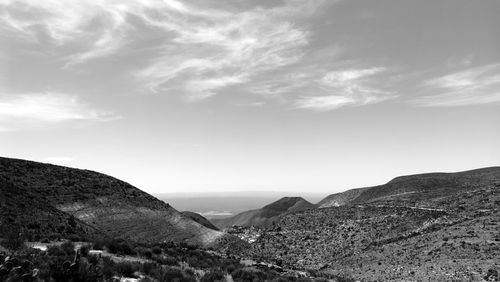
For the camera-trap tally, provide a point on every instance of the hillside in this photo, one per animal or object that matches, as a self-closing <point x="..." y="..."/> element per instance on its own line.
<point x="100" y="203"/>
<point x="200" y="219"/>
<point x="447" y="229"/>
<point x="418" y="189"/>
<point x="340" y="199"/>
<point x="34" y="218"/>
<point x="266" y="215"/>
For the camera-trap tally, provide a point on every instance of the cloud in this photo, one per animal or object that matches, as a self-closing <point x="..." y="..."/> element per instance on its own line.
<point x="41" y="109"/>
<point x="479" y="85"/>
<point x="347" y="87"/>
<point x="202" y="49"/>
<point x="324" y="103"/>
<point x="94" y="29"/>
<point x="214" y="49"/>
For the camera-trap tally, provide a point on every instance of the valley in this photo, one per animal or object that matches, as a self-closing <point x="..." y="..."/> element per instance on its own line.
<point x="440" y="225"/>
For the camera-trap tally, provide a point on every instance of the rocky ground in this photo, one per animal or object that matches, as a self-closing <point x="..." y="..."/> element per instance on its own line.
<point x="444" y="239"/>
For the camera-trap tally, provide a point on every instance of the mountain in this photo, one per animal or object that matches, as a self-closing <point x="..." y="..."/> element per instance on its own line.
<point x="438" y="226"/>
<point x="200" y="219"/>
<point x="415" y="189"/>
<point x="226" y="204"/>
<point x="266" y="215"/>
<point x="340" y="199"/>
<point x="93" y="202"/>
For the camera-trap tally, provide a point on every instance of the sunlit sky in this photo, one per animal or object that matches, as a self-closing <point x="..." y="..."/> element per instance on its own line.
<point x="238" y="95"/>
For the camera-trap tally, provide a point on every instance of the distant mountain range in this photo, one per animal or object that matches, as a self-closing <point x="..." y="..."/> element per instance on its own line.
<point x="227" y="204"/>
<point x="48" y="200"/>
<point x="265" y="216"/>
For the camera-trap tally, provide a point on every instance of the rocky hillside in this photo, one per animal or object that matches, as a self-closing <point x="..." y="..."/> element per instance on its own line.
<point x="418" y="189"/>
<point x="35" y="219"/>
<point x="444" y="226"/>
<point x="266" y="215"/>
<point x="98" y="203"/>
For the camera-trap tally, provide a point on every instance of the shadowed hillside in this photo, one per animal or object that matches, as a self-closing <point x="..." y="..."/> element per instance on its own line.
<point x="32" y="216"/>
<point x="267" y="214"/>
<point x="96" y="200"/>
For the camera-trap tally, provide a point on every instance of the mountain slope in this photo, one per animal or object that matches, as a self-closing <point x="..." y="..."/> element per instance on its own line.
<point x="23" y="213"/>
<point x="102" y="202"/>
<point x="200" y="219"/>
<point x="266" y="215"/>
<point x="418" y="189"/>
<point x="442" y="227"/>
<point x="340" y="199"/>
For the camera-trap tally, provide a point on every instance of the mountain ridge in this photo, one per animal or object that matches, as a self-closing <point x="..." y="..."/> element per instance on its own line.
<point x="414" y="188"/>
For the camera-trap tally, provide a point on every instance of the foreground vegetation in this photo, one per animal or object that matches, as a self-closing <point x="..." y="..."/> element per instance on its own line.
<point x="115" y="259"/>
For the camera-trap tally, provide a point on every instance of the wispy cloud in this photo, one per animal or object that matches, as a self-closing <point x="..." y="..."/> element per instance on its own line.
<point x="39" y="109"/>
<point x="324" y="103"/>
<point x="203" y="49"/>
<point x="347" y="87"/>
<point x="214" y="49"/>
<point x="479" y="85"/>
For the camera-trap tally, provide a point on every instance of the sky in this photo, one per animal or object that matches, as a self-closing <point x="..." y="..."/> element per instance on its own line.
<point x="263" y="95"/>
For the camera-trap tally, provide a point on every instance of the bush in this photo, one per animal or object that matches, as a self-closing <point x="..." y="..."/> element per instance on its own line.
<point x="55" y="251"/>
<point x="108" y="268"/>
<point x="175" y="274"/>
<point x="156" y="251"/>
<point x="244" y="275"/>
<point x="68" y="247"/>
<point x="84" y="250"/>
<point x="214" y="275"/>
<point x="98" y="245"/>
<point x="127" y="269"/>
<point x="149" y="267"/>
<point x="13" y="240"/>
<point x="148" y="254"/>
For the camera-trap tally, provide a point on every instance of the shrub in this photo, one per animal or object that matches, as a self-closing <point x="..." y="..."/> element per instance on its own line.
<point x="108" y="268"/>
<point x="126" y="269"/>
<point x="148" y="254"/>
<point x="149" y="267"/>
<point x="214" y="275"/>
<point x="98" y="245"/>
<point x="55" y="251"/>
<point x="13" y="240"/>
<point x="74" y="238"/>
<point x="175" y="274"/>
<point x="243" y="274"/>
<point x="68" y="247"/>
<point x="156" y="251"/>
<point x="84" y="250"/>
